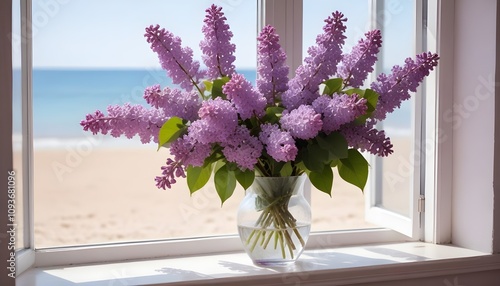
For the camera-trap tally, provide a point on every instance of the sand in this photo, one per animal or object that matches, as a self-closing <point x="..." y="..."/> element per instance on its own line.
<point x="98" y="195"/>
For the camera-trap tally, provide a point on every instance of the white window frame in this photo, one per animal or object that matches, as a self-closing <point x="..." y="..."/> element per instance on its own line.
<point x="437" y="230"/>
<point x="413" y="224"/>
<point x="430" y="211"/>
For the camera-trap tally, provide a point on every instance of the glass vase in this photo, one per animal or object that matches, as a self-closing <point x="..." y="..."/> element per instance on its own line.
<point x="274" y="220"/>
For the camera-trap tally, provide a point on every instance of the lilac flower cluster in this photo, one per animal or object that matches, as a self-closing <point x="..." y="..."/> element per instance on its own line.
<point x="216" y="46"/>
<point x="339" y="109"/>
<point x="366" y="138"/>
<point x="280" y="145"/>
<point x="319" y="65"/>
<point x="128" y="120"/>
<point x="247" y="101"/>
<point x="173" y="102"/>
<point x="170" y="171"/>
<point x="303" y="122"/>
<point x="176" y="60"/>
<point x="189" y="151"/>
<point x="218" y="120"/>
<point x="272" y="68"/>
<point x="356" y="66"/>
<point x="395" y="88"/>
<point x="242" y="148"/>
<point x="255" y="128"/>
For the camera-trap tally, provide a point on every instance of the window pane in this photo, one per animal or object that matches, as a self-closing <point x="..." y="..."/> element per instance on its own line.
<point x="345" y="209"/>
<point x="95" y="189"/>
<point x="394" y="173"/>
<point x="397" y="169"/>
<point x="17" y="138"/>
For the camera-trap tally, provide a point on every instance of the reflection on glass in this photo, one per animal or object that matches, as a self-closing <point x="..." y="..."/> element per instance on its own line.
<point x="98" y="189"/>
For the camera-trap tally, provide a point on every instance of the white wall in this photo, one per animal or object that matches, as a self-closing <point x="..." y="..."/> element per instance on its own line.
<point x="474" y="123"/>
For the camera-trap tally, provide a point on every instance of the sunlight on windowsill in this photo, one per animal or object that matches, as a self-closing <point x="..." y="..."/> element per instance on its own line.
<point x="349" y="263"/>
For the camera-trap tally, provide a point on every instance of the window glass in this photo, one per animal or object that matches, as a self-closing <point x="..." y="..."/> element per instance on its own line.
<point x="96" y="189"/>
<point x="394" y="173"/>
<point x="17" y="138"/>
<point x="345" y="209"/>
<point x="398" y="28"/>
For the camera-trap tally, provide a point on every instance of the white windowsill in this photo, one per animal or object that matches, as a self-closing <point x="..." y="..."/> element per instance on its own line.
<point x="343" y="265"/>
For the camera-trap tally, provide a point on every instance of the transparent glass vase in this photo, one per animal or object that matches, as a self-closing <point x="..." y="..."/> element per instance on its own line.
<point x="274" y="220"/>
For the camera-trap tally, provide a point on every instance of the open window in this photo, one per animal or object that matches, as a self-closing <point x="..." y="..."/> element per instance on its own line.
<point x="395" y="198"/>
<point x="392" y="200"/>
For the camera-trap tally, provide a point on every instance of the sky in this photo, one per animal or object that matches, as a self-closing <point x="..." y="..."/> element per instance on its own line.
<point x="109" y="33"/>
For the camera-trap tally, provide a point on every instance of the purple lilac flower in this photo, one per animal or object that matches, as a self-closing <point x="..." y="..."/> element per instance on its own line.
<point x="218" y="120"/>
<point x="188" y="151"/>
<point x="332" y="41"/>
<point x="95" y="123"/>
<point x="280" y="145"/>
<point x="339" y="109"/>
<point x="396" y="87"/>
<point x="247" y="101"/>
<point x="319" y="65"/>
<point x="170" y="171"/>
<point x="216" y="46"/>
<point x="129" y="120"/>
<point x="242" y="148"/>
<point x="303" y="122"/>
<point x="177" y="61"/>
<point x="366" y="138"/>
<point x="174" y="102"/>
<point x="271" y="65"/>
<point x="356" y="66"/>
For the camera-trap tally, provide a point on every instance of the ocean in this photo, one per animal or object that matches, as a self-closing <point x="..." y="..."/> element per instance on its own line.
<point x="62" y="98"/>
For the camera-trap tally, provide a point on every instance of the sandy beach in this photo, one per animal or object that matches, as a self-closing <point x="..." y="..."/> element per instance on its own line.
<point x="98" y="195"/>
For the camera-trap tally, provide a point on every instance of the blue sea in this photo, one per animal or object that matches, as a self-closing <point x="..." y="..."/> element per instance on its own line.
<point x="62" y="98"/>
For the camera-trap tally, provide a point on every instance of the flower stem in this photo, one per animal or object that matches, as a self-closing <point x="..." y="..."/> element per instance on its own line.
<point x="275" y="220"/>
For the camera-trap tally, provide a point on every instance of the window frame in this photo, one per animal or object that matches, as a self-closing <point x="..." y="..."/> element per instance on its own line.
<point x="281" y="12"/>
<point x="411" y="225"/>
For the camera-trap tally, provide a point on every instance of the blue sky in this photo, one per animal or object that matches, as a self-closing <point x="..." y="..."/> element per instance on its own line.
<point x="109" y="33"/>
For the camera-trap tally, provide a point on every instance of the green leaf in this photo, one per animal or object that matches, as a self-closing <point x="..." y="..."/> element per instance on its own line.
<point x="208" y="85"/>
<point x="197" y="177"/>
<point x="212" y="158"/>
<point x="219" y="165"/>
<point x="371" y="99"/>
<point x="225" y="183"/>
<point x="274" y="109"/>
<point x="286" y="170"/>
<point x="323" y="181"/>
<point x="371" y="102"/>
<point x="301" y="166"/>
<point x="245" y="178"/>
<point x="171" y="130"/>
<point x="335" y="144"/>
<point x="217" y="87"/>
<point x="354" y="169"/>
<point x="273" y="114"/>
<point x="332" y="85"/>
<point x="334" y="163"/>
<point x="357" y="91"/>
<point x="314" y="157"/>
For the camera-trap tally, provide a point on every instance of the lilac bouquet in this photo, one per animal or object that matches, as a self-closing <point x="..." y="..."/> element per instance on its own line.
<point x="321" y="118"/>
